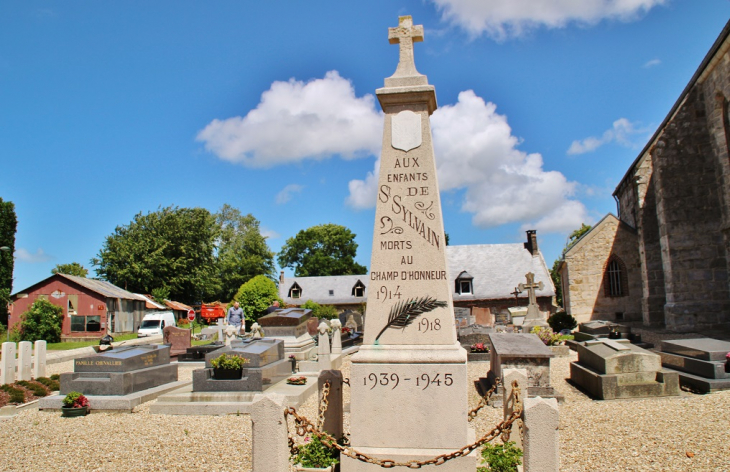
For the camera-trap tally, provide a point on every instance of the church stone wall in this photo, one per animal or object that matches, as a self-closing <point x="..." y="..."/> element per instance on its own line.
<point x="689" y="212"/>
<point x="584" y="270"/>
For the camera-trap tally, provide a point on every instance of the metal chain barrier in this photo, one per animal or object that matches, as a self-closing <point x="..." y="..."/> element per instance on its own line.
<point x="304" y="426"/>
<point x="484" y="401"/>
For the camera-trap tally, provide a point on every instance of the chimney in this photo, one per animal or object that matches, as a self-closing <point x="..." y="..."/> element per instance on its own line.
<point x="531" y="244"/>
<point x="281" y="278"/>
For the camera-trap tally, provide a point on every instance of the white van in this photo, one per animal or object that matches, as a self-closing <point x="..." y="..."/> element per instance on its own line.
<point x="154" y="323"/>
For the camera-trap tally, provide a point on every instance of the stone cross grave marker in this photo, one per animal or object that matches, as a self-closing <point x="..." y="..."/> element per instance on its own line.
<point x="533" y="318"/>
<point x="409" y="385"/>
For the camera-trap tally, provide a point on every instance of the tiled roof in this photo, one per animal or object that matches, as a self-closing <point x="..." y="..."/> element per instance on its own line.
<point x="150" y="304"/>
<point x="177" y="305"/>
<point x="318" y="289"/>
<point x="496" y="270"/>
<point x="103" y="288"/>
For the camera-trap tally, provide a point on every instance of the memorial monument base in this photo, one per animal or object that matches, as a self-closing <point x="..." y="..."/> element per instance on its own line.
<point x="459" y="464"/>
<point x="416" y="379"/>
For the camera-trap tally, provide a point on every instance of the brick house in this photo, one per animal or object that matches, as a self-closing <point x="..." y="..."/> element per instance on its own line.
<point x="675" y="199"/>
<point x="483" y="277"/>
<point x="90" y="307"/>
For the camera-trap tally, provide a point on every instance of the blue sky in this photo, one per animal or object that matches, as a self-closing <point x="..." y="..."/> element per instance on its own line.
<point x="108" y="109"/>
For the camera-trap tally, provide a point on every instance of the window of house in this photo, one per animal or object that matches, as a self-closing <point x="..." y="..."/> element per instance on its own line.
<point x="295" y="291"/>
<point x="358" y="290"/>
<point x="78" y="323"/>
<point x="72" y="306"/>
<point x="464" y="284"/>
<point x="93" y="323"/>
<point x="332" y="293"/>
<point x="615" y="278"/>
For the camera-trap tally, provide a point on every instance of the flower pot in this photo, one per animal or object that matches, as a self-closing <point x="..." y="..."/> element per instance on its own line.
<point x="326" y="469"/>
<point x="227" y="374"/>
<point x="70" y="412"/>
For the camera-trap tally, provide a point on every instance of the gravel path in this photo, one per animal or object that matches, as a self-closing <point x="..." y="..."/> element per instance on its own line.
<point x="627" y="435"/>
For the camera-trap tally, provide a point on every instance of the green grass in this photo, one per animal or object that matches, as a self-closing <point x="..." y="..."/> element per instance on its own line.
<point x="202" y="342"/>
<point x="63" y="346"/>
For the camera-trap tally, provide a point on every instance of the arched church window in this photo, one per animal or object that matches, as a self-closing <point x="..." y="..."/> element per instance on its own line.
<point x="615" y="280"/>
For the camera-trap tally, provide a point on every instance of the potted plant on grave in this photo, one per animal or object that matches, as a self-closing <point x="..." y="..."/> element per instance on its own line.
<point x="316" y="454"/>
<point x="75" y="404"/>
<point x="227" y="367"/>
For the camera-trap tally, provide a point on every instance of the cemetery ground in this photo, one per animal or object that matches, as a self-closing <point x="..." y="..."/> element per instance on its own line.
<point x="685" y="433"/>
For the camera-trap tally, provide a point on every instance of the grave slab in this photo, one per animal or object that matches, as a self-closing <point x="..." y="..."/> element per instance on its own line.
<point x="613" y="369"/>
<point x="121" y="371"/>
<point x="700" y="363"/>
<point x="265" y="365"/>
<point x="520" y="351"/>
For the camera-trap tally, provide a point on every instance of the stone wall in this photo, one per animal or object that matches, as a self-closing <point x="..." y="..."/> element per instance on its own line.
<point x="502" y="304"/>
<point x="584" y="270"/>
<point x="678" y="197"/>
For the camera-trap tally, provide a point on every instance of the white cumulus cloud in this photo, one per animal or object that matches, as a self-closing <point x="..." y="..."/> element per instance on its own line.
<point x="23" y="255"/>
<point x="501" y="19"/>
<point x="298" y="120"/>
<point x="286" y="193"/>
<point x="475" y="150"/>
<point x="621" y="132"/>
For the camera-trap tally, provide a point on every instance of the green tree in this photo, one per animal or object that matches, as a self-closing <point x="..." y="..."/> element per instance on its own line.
<point x="321" y="311"/>
<point x="172" y="247"/>
<point x="256" y="295"/>
<point x="160" y="294"/>
<point x="42" y="321"/>
<point x="242" y="251"/>
<point x="554" y="273"/>
<point x="73" y="268"/>
<point x="322" y="250"/>
<point x="8" y="227"/>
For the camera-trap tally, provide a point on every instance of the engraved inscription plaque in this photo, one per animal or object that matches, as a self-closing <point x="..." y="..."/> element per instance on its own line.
<point x="406" y="130"/>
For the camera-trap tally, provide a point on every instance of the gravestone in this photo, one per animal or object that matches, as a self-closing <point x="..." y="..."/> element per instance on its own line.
<point x="7" y="364"/>
<point x="291" y="325"/>
<point x="409" y="380"/>
<point x="534" y="317"/>
<point x="701" y="363"/>
<point x="39" y="359"/>
<point x="178" y="339"/>
<point x="463" y="317"/>
<point x="609" y="369"/>
<point x="265" y="366"/>
<point x="25" y="360"/>
<point x="121" y="371"/>
<point x="197" y="353"/>
<point x="351" y="319"/>
<point x="521" y="351"/>
<point x="312" y="325"/>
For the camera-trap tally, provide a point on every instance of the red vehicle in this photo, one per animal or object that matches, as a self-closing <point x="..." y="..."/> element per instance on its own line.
<point x="211" y="312"/>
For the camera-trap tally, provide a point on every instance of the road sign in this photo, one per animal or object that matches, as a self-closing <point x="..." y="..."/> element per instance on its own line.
<point x="191" y="314"/>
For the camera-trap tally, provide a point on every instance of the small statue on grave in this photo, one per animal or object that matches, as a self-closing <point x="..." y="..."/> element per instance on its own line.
<point x="336" y="325"/>
<point x="351" y="323"/>
<point x="256" y="331"/>
<point x="230" y="334"/>
<point x="323" y="328"/>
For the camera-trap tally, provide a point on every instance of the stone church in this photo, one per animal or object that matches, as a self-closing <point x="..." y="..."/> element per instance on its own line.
<point x="664" y="258"/>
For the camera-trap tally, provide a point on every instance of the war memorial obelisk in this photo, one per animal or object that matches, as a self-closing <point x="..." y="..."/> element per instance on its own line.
<point x="409" y="379"/>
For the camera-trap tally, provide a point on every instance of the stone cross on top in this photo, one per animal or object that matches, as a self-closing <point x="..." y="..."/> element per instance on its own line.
<point x="530" y="286"/>
<point x="405" y="34"/>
